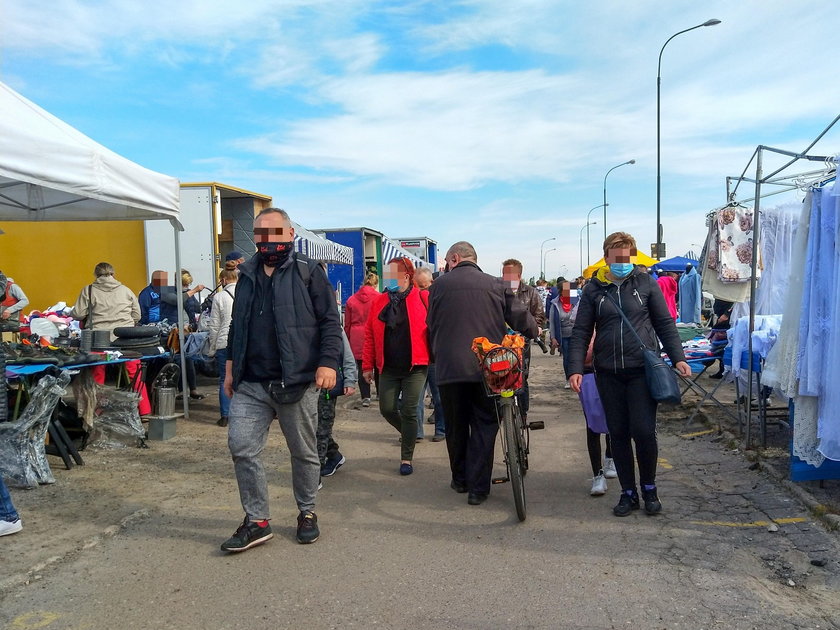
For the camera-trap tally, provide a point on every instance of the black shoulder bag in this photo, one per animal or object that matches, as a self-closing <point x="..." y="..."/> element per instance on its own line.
<point x="661" y="380"/>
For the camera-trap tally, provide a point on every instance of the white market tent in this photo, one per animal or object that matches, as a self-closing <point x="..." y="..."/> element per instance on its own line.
<point x="50" y="171"/>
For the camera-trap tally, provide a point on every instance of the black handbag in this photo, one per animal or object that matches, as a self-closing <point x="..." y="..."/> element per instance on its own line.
<point x="661" y="380"/>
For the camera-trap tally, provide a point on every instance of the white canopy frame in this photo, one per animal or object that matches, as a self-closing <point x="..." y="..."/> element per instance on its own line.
<point x="50" y="171"/>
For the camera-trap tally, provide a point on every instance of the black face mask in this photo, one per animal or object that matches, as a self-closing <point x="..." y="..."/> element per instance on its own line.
<point x="274" y="254"/>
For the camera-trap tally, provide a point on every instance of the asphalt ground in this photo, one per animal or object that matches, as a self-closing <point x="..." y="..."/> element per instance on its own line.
<point x="131" y="539"/>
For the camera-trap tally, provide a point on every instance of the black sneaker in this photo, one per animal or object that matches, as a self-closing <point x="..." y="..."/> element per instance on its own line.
<point x="652" y="503"/>
<point x="626" y="504"/>
<point x="246" y="536"/>
<point x="332" y="465"/>
<point x="307" y="529"/>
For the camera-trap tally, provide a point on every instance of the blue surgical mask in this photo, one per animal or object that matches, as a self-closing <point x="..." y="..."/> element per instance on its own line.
<point x="620" y="270"/>
<point x="391" y="284"/>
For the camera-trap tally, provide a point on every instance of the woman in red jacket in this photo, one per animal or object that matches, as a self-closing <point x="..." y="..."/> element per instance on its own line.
<point x="356" y="313"/>
<point x="397" y="343"/>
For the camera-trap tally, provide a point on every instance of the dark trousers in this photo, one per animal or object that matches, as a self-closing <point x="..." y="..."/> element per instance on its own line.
<point x="523" y="398"/>
<point x="631" y="415"/>
<point x="471" y="427"/>
<point x="364" y="386"/>
<point x="327" y="446"/>
<point x="593" y="445"/>
<point x="398" y="398"/>
<point x="565" y="342"/>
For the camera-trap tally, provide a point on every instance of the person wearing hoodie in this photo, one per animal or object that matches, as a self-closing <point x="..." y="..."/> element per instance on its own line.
<point x="618" y="362"/>
<point x="12" y="299"/>
<point x="690" y="296"/>
<point x="107" y="303"/>
<point x="668" y="286"/>
<point x="355" y="319"/>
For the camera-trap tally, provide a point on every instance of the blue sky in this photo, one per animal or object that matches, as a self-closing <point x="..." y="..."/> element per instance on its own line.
<point x="486" y="120"/>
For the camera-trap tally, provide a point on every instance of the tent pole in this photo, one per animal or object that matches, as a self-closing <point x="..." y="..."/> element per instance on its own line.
<point x="179" y="296"/>
<point x="753" y="282"/>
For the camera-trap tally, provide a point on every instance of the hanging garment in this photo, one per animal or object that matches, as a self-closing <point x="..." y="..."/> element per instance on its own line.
<point x="828" y="428"/>
<point x="735" y="244"/>
<point x="778" y="225"/>
<point x="690" y="297"/>
<point x="818" y="284"/>
<point x="780" y="370"/>
<point x="668" y="286"/>
<point x="728" y="291"/>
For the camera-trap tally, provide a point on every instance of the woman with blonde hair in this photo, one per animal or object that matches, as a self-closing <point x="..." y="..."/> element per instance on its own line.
<point x="219" y="324"/>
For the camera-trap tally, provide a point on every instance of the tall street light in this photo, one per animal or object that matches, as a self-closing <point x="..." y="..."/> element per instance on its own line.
<point x="658" y="148"/>
<point x="605" y="191"/>
<point x="587" y="231"/>
<point x="542" y="271"/>
<point x="547" y="252"/>
<point x="581" y="243"/>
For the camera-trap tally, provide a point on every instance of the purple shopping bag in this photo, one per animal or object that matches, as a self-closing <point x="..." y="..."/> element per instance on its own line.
<point x="591" y="403"/>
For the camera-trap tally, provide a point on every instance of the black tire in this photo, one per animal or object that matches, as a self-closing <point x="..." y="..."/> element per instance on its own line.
<point x="512" y="458"/>
<point x="137" y="332"/>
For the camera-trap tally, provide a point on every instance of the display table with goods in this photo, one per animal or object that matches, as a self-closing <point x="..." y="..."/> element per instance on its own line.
<point x="52" y="390"/>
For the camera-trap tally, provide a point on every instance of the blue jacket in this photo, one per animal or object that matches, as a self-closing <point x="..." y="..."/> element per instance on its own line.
<point x="306" y="319"/>
<point x="149" y="300"/>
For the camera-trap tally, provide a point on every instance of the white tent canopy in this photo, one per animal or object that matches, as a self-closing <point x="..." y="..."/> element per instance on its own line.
<point x="50" y="171"/>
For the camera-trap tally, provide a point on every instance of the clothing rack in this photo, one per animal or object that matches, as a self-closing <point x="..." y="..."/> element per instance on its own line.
<point x="787" y="183"/>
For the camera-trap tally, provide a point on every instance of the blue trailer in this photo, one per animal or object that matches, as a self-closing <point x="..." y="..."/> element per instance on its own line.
<point x="367" y="256"/>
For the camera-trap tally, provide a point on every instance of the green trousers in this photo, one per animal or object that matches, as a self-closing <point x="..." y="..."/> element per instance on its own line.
<point x="399" y="392"/>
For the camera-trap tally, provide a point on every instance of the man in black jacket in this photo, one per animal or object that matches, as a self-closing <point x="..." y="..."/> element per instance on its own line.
<point x="284" y="345"/>
<point x="464" y="304"/>
<point x="629" y="408"/>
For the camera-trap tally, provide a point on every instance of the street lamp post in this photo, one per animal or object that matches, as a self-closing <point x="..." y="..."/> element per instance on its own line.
<point x="605" y="191"/>
<point x="553" y="249"/>
<point x="712" y="22"/>
<point x="542" y="271"/>
<point x="581" y="243"/>
<point x="587" y="231"/>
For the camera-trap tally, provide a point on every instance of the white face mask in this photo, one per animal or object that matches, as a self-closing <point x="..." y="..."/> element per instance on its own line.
<point x="514" y="284"/>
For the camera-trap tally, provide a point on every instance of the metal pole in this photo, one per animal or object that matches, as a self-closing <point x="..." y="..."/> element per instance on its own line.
<point x="712" y="22"/>
<point x="553" y="249"/>
<point x="588" y="250"/>
<point x="756" y="221"/>
<point x="542" y="273"/>
<point x="605" y="191"/>
<point x="179" y="297"/>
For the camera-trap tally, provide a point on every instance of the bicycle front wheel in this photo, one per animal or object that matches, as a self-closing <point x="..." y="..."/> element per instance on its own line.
<point x="512" y="457"/>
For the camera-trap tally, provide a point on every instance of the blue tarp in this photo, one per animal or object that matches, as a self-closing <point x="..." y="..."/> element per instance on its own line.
<point x="677" y="263"/>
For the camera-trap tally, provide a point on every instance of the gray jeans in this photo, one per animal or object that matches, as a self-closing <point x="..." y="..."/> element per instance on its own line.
<point x="252" y="411"/>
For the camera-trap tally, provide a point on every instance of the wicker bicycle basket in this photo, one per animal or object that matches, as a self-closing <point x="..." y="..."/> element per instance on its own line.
<point x="501" y="364"/>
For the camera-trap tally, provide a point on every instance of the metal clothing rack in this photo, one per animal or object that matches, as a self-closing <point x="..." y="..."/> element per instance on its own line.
<point x="785" y="183"/>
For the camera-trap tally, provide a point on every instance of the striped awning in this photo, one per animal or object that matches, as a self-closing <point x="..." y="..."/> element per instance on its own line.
<point x="390" y="250"/>
<point x="321" y="249"/>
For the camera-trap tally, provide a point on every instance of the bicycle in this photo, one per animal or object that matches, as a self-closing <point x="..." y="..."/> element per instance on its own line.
<point x="503" y="370"/>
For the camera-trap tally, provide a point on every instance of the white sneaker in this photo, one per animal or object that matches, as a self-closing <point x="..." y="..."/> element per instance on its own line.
<point x="567" y="386"/>
<point x="365" y="402"/>
<point x="7" y="528"/>
<point x="599" y="486"/>
<point x="609" y="468"/>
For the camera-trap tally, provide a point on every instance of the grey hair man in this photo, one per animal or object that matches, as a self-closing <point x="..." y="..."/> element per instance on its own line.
<point x="284" y="345"/>
<point x="464" y="304"/>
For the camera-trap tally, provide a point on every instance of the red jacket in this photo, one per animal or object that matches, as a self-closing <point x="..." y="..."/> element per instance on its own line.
<point x="355" y="317"/>
<point x="669" y="290"/>
<point x="417" y="306"/>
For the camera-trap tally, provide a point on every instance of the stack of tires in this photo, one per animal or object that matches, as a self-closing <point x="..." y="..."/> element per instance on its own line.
<point x="145" y="340"/>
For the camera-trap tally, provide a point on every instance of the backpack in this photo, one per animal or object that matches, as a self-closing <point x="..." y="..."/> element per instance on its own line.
<point x="207" y="308"/>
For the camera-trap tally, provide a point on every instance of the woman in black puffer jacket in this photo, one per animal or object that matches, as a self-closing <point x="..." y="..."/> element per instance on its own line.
<point x="619" y="368"/>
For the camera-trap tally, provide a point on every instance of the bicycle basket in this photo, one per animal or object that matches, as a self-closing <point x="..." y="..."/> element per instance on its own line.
<point x="501" y="364"/>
